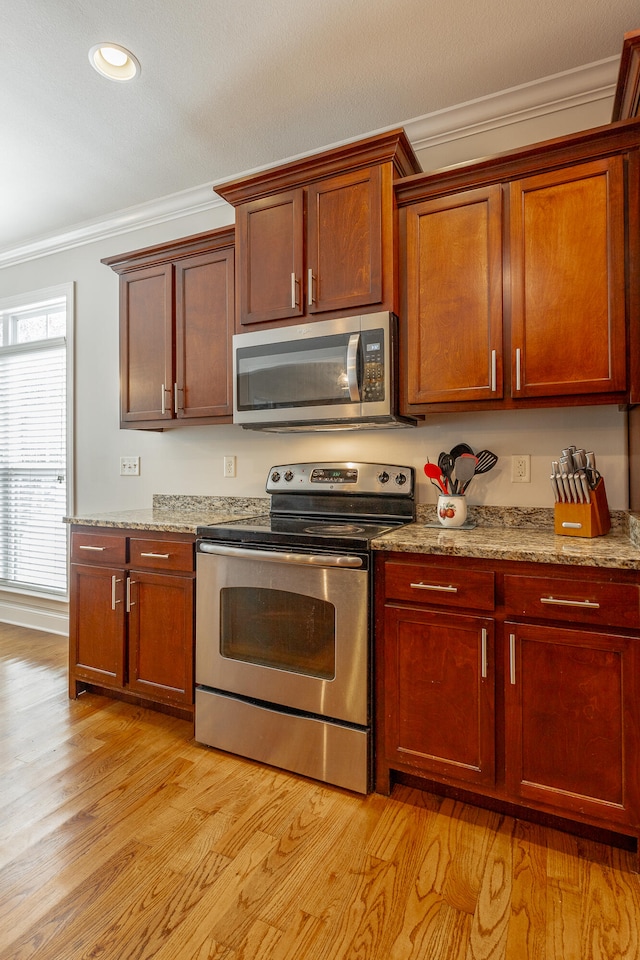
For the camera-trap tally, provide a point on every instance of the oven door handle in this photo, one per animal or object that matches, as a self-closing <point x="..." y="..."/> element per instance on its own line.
<point x="311" y="559"/>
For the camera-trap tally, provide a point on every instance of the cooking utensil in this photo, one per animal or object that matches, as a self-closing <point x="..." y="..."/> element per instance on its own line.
<point x="465" y="469"/>
<point x="459" y="449"/>
<point x="434" y="473"/>
<point x="485" y="461"/>
<point x="445" y="462"/>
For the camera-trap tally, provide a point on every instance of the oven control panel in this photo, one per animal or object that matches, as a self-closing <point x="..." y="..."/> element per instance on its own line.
<point x="349" y="477"/>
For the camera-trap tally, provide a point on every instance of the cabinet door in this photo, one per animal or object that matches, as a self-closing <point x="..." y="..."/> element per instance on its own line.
<point x="270" y="251"/>
<point x="146" y="344"/>
<point x="439" y="694"/>
<point x="204" y="327"/>
<point x="454" y="297"/>
<point x="96" y="625"/>
<point x="161" y="632"/>
<point x="567" y="281"/>
<point x="572" y="720"/>
<point x="345" y="247"/>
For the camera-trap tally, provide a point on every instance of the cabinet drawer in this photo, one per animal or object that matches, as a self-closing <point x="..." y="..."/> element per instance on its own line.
<point x="173" y="555"/>
<point x="444" y="586"/>
<point x="98" y="548"/>
<point x="580" y="601"/>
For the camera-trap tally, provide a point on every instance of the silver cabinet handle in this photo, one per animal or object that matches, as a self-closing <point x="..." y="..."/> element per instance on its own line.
<point x="310" y="285"/>
<point x="571" y="603"/>
<point x="87" y="547"/>
<point x="294" y="292"/>
<point x="518" y="362"/>
<point x="130" y="602"/>
<point x="493" y="371"/>
<point x="114" y="580"/>
<point x="484" y="653"/>
<point x="246" y="553"/>
<point x="157" y="556"/>
<point x="434" y="586"/>
<point x="352" y="367"/>
<point x="175" y="398"/>
<point x="163" y="400"/>
<point x="512" y="658"/>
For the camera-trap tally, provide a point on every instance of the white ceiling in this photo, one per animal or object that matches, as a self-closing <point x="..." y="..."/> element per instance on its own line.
<point x="231" y="85"/>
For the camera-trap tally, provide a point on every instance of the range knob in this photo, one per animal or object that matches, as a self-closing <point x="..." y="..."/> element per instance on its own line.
<point x="383" y="477"/>
<point x="288" y="476"/>
<point x="275" y="476"/>
<point x="401" y="478"/>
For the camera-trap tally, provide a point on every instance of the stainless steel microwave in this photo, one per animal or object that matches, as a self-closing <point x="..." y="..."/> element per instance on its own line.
<point x="328" y="375"/>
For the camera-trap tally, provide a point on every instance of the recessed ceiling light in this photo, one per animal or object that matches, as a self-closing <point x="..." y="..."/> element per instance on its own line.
<point x="114" y="61"/>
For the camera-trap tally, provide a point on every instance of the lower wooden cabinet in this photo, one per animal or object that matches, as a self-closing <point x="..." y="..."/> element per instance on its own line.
<point x="446" y="666"/>
<point x="515" y="682"/>
<point x="571" y="731"/>
<point x="131" y="629"/>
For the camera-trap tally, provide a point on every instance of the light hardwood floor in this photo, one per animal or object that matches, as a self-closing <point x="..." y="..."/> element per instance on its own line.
<point x="122" y="838"/>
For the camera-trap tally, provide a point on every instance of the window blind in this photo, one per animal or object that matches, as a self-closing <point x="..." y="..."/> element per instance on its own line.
<point x="33" y="538"/>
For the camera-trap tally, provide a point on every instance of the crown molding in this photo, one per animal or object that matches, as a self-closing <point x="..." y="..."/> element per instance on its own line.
<point x="562" y="91"/>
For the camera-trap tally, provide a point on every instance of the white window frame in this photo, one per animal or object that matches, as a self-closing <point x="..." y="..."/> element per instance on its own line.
<point x="18" y="302"/>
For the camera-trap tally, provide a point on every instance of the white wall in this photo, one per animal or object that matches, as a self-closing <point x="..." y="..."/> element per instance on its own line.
<point x="189" y="459"/>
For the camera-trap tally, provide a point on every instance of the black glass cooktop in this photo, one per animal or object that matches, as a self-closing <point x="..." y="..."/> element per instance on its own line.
<point x="297" y="531"/>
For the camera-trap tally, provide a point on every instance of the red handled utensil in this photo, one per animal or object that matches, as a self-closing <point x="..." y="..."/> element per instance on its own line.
<point x="435" y="475"/>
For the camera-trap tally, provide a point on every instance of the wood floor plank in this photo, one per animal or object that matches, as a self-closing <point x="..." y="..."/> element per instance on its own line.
<point x="123" y="839"/>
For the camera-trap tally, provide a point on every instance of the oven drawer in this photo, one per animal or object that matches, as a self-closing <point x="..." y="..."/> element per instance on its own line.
<point x="440" y="585"/>
<point x="176" y="556"/>
<point x="572" y="599"/>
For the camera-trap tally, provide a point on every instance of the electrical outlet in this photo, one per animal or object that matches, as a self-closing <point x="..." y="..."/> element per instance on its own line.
<point x="521" y="469"/>
<point x="129" y="466"/>
<point x="229" y="466"/>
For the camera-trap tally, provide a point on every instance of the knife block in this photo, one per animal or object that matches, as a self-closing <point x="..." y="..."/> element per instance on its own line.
<point x="584" y="519"/>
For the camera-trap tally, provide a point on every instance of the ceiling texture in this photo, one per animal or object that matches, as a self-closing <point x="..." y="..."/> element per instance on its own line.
<point x="229" y="87"/>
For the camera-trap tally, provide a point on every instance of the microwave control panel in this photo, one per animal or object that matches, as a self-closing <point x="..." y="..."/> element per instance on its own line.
<point x="373" y="374"/>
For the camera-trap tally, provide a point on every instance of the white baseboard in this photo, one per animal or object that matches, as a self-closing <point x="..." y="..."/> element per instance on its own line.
<point x="51" y="616"/>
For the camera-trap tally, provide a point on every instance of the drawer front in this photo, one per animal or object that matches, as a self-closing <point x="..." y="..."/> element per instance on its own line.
<point x="98" y="548"/>
<point x="442" y="586"/>
<point x="575" y="600"/>
<point x="170" y="555"/>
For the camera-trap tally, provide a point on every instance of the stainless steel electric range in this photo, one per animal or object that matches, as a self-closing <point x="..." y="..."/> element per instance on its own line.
<point x="283" y="622"/>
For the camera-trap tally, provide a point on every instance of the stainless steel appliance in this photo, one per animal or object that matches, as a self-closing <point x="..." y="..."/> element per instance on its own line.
<point x="283" y="629"/>
<point x="328" y="375"/>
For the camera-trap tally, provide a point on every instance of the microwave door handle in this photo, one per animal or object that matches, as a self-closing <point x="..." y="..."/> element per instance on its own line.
<point x="352" y="367"/>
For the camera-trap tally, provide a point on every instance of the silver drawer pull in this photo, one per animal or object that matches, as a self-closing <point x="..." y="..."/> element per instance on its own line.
<point x="114" y="581"/>
<point x="85" y="547"/>
<point x="434" y="586"/>
<point x="571" y="603"/>
<point x="157" y="556"/>
<point x="484" y="653"/>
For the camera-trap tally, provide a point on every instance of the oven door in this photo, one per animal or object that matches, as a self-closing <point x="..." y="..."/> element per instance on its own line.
<point x="284" y="628"/>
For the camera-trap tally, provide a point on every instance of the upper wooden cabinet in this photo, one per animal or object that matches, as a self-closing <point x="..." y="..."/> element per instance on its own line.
<point x="515" y="289"/>
<point x="176" y="324"/>
<point x="316" y="237"/>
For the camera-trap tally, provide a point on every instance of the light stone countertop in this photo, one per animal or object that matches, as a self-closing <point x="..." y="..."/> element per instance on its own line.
<point x="176" y="514"/>
<point x="512" y="534"/>
<point x="501" y="533"/>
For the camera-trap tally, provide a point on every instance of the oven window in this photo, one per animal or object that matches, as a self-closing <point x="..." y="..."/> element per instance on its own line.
<point x="280" y="629"/>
